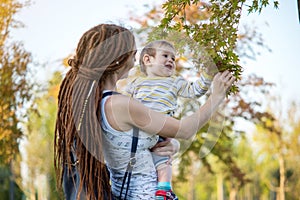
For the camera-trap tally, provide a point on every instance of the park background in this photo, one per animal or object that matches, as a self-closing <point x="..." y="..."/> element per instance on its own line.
<point x="250" y="166"/>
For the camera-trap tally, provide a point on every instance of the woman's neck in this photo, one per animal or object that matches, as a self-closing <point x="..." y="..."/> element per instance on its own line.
<point x="110" y="83"/>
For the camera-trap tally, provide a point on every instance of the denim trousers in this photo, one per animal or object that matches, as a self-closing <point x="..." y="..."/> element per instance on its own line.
<point x="71" y="182"/>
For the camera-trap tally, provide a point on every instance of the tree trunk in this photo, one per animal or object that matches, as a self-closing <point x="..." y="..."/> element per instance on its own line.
<point x="232" y="194"/>
<point x="220" y="186"/>
<point x="282" y="177"/>
<point x="191" y="180"/>
<point x="233" y="191"/>
<point x="11" y="183"/>
<point x="248" y="193"/>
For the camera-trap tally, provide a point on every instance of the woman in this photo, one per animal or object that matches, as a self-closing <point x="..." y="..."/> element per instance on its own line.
<point x="91" y="129"/>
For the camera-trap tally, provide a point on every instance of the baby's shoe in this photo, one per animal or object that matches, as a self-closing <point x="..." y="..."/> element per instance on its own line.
<point x="165" y="195"/>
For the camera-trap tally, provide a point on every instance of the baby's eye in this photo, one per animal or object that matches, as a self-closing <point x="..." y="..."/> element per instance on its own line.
<point x="165" y="55"/>
<point x="173" y="58"/>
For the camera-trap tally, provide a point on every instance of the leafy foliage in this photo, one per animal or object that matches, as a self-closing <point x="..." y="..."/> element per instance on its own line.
<point x="208" y="30"/>
<point x="15" y="88"/>
<point x="206" y="36"/>
<point x="282" y="131"/>
<point x="16" y="91"/>
<point x="40" y="130"/>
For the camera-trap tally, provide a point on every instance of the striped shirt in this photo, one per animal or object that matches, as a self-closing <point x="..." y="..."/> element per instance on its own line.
<point x="161" y="93"/>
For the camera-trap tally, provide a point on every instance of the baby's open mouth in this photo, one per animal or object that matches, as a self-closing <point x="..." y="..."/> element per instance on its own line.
<point x="170" y="67"/>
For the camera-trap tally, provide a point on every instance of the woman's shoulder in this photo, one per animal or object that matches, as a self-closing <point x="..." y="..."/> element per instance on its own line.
<point x="118" y="98"/>
<point x="122" y="102"/>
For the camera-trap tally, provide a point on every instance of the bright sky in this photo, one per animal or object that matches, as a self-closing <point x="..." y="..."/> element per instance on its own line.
<point x="54" y="27"/>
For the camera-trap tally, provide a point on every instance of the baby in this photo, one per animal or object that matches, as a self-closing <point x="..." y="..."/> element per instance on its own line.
<point x="157" y="87"/>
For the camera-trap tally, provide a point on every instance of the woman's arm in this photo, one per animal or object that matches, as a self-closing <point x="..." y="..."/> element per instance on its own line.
<point x="124" y="112"/>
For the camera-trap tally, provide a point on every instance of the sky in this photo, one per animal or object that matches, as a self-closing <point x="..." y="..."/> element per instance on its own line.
<point x="53" y="28"/>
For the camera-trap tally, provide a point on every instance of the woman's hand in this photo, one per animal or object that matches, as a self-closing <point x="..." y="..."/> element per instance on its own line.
<point x="169" y="147"/>
<point x="221" y="84"/>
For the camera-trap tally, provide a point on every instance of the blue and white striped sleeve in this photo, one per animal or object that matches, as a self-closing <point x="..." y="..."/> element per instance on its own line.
<point x="194" y="89"/>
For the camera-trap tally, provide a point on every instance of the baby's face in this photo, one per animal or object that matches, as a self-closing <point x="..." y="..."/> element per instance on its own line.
<point x="163" y="64"/>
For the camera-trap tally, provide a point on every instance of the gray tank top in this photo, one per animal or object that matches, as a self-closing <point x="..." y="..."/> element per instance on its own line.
<point x="117" y="147"/>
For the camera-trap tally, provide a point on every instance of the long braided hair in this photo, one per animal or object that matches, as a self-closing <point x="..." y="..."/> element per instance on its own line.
<point x="101" y="51"/>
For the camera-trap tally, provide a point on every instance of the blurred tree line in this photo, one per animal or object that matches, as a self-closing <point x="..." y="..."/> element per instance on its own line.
<point x="214" y="27"/>
<point x="16" y="95"/>
<point x="222" y="162"/>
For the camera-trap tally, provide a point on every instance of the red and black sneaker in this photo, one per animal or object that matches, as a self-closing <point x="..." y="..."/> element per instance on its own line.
<point x="167" y="195"/>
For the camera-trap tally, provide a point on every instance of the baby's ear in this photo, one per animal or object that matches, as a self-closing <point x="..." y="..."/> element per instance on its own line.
<point x="146" y="59"/>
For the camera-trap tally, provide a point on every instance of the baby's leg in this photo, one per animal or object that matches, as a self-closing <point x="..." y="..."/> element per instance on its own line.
<point x="164" y="176"/>
<point x="164" y="172"/>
